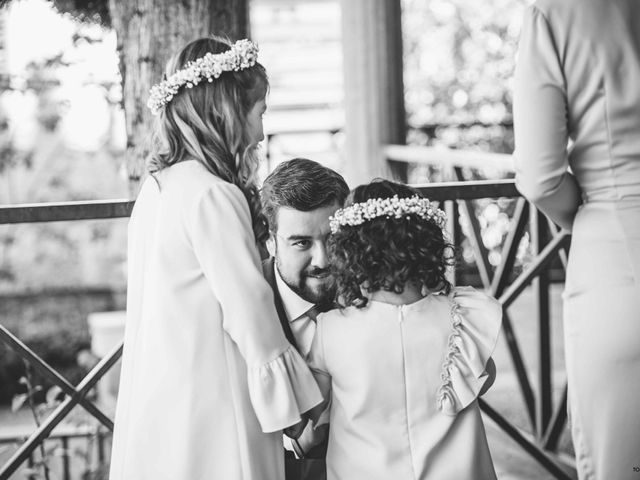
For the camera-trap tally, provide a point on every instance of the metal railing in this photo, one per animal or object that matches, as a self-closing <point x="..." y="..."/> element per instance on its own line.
<point x="546" y="421"/>
<point x="98" y="435"/>
<point x="75" y="395"/>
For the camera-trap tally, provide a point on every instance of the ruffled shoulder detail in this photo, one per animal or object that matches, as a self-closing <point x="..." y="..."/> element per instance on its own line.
<point x="281" y="390"/>
<point x="476" y="319"/>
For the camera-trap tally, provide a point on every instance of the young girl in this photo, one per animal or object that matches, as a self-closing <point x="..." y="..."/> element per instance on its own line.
<point x="206" y="368"/>
<point x="403" y="363"/>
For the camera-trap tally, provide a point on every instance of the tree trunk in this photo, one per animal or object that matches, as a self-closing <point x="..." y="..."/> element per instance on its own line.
<point x="149" y="32"/>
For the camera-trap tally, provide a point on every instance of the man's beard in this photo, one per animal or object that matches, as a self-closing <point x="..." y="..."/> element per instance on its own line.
<point x="322" y="293"/>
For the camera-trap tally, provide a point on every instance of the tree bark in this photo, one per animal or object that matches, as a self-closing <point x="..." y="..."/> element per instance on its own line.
<point x="148" y="33"/>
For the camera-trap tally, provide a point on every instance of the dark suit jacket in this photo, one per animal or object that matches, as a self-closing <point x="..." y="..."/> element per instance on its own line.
<point x="269" y="272"/>
<point x="309" y="470"/>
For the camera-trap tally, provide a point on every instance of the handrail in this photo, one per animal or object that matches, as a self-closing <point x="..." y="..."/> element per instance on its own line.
<point x="61" y="431"/>
<point x="119" y="208"/>
<point x="469" y="190"/>
<point x="63" y="211"/>
<point x="449" y="157"/>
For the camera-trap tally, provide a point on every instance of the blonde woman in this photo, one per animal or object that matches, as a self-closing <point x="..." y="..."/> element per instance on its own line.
<point x="208" y="378"/>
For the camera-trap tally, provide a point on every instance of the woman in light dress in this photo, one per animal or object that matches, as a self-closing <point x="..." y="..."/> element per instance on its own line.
<point x="577" y="136"/>
<point x="402" y="365"/>
<point x="208" y="378"/>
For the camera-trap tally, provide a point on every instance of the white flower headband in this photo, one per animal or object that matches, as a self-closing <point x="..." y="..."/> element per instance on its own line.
<point x="358" y="213"/>
<point x="242" y="54"/>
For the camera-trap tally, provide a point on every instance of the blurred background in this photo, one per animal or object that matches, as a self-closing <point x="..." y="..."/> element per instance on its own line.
<point x="62" y="138"/>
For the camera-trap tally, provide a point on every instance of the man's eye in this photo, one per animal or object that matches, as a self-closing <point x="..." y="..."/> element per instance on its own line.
<point x="302" y="244"/>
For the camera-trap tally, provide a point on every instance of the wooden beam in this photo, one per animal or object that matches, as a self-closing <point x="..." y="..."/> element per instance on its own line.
<point x="468" y="190"/>
<point x="448" y="157"/>
<point x="373" y="83"/>
<point x="63" y="211"/>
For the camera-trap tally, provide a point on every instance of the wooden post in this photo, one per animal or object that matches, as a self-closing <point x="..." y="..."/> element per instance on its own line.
<point x="374" y="91"/>
<point x="149" y="32"/>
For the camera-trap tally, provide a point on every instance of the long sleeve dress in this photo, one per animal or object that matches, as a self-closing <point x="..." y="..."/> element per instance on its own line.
<point x="577" y="107"/>
<point x="208" y="379"/>
<point x="403" y="383"/>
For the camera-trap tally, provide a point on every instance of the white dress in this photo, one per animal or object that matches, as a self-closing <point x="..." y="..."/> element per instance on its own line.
<point x="206" y="368"/>
<point x="403" y="383"/>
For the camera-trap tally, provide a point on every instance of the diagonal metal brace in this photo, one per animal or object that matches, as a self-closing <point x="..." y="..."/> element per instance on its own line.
<point x="540" y="262"/>
<point x="45" y="429"/>
<point x="530" y="447"/>
<point x="52" y="375"/>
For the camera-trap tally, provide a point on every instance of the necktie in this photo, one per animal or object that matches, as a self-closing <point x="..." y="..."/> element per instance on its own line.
<point x="304" y="327"/>
<point x="318" y="308"/>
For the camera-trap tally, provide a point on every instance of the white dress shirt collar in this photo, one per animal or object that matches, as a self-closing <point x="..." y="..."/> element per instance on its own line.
<point x="294" y="305"/>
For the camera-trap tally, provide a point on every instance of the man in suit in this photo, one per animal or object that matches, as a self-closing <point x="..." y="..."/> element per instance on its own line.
<point x="298" y="198"/>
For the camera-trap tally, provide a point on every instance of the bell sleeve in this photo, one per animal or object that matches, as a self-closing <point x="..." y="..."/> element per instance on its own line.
<point x="540" y="123"/>
<point x="281" y="387"/>
<point x="475" y="325"/>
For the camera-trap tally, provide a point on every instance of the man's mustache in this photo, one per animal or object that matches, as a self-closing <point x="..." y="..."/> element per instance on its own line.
<point x="317" y="272"/>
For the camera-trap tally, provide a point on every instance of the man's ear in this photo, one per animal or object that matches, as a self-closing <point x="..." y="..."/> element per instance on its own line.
<point x="271" y="244"/>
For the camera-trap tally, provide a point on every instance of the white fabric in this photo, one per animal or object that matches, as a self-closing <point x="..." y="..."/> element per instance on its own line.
<point x="381" y="368"/>
<point x="206" y="367"/>
<point x="578" y="78"/>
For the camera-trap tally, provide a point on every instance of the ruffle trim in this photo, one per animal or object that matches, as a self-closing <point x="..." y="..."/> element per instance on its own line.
<point x="475" y="321"/>
<point x="281" y="390"/>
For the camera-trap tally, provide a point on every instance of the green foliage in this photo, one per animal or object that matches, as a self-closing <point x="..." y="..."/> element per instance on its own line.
<point x="41" y="406"/>
<point x="459" y="62"/>
<point x="86" y="11"/>
<point x="49" y="168"/>
<point x="459" y="59"/>
<point x="58" y="347"/>
<point x="54" y="326"/>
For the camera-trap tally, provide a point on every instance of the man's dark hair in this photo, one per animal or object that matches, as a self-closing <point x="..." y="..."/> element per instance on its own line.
<point x="303" y="185"/>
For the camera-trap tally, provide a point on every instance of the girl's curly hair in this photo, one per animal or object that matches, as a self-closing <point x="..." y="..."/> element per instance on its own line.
<point x="387" y="253"/>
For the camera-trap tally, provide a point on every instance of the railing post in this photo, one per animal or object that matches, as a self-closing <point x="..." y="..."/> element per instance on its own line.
<point x="66" y="472"/>
<point x="540" y="287"/>
<point x="30" y="464"/>
<point x="100" y="446"/>
<point x="453" y="231"/>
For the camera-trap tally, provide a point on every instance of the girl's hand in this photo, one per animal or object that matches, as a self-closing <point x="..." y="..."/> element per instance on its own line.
<point x="294" y="431"/>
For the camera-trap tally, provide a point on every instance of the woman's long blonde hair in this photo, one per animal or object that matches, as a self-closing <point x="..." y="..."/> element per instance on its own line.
<point x="208" y="123"/>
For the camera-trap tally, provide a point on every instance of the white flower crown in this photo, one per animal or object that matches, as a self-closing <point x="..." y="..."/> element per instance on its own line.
<point x="242" y="54"/>
<point x="358" y="213"/>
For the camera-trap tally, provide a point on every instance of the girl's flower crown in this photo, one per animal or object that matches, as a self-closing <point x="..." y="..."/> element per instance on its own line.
<point x="242" y="54"/>
<point x="358" y="213"/>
